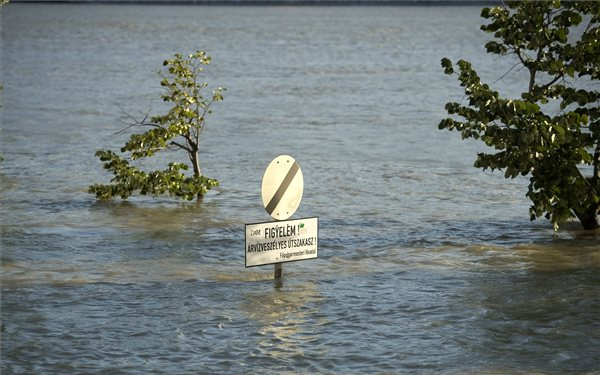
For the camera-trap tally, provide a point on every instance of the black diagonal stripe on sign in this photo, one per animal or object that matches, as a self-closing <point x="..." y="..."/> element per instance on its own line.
<point x="282" y="188"/>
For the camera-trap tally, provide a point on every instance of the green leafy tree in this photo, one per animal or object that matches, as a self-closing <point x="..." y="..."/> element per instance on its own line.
<point x="179" y="129"/>
<point x="551" y="133"/>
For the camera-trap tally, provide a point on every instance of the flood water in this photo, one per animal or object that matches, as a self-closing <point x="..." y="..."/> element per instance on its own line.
<point x="426" y="265"/>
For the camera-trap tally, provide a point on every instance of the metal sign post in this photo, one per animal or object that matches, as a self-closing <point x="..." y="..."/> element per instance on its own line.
<point x="282" y="240"/>
<point x="278" y="271"/>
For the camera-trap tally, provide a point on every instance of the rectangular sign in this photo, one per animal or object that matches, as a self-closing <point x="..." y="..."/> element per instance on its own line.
<point x="281" y="241"/>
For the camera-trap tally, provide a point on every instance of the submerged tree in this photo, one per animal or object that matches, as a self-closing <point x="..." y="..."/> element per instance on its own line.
<point x="552" y="131"/>
<point x="178" y="129"/>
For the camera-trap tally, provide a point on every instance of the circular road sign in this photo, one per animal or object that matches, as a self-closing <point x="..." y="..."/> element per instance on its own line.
<point x="282" y="187"/>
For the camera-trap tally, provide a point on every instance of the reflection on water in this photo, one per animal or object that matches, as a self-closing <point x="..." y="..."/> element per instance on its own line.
<point x="288" y="323"/>
<point x="168" y="219"/>
<point x="561" y="257"/>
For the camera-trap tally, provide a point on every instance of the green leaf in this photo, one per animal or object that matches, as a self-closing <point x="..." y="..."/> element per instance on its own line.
<point x="447" y="65"/>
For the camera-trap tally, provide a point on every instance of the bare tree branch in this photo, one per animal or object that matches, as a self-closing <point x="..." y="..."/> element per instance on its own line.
<point x="181" y="146"/>
<point x="135" y="122"/>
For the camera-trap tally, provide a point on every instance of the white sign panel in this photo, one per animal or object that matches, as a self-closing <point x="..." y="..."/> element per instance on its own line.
<point x="282" y="187"/>
<point x="281" y="241"/>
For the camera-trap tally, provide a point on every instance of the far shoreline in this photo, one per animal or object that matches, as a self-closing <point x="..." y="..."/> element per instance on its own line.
<point x="272" y="2"/>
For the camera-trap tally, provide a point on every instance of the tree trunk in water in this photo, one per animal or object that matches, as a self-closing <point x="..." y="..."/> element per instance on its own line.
<point x="196" y="163"/>
<point x="589" y="218"/>
<point x="195" y="158"/>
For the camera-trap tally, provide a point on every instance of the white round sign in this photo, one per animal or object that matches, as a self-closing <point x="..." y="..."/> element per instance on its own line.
<point x="282" y="187"/>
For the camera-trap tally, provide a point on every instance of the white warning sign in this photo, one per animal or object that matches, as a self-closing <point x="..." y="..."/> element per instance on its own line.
<point x="282" y="187"/>
<point x="281" y="241"/>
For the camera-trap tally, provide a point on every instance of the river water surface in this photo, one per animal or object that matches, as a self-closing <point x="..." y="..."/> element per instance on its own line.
<point x="426" y="265"/>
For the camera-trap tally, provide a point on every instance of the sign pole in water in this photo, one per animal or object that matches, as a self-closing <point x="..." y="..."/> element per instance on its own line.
<point x="278" y="271"/>
<point x="281" y="241"/>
